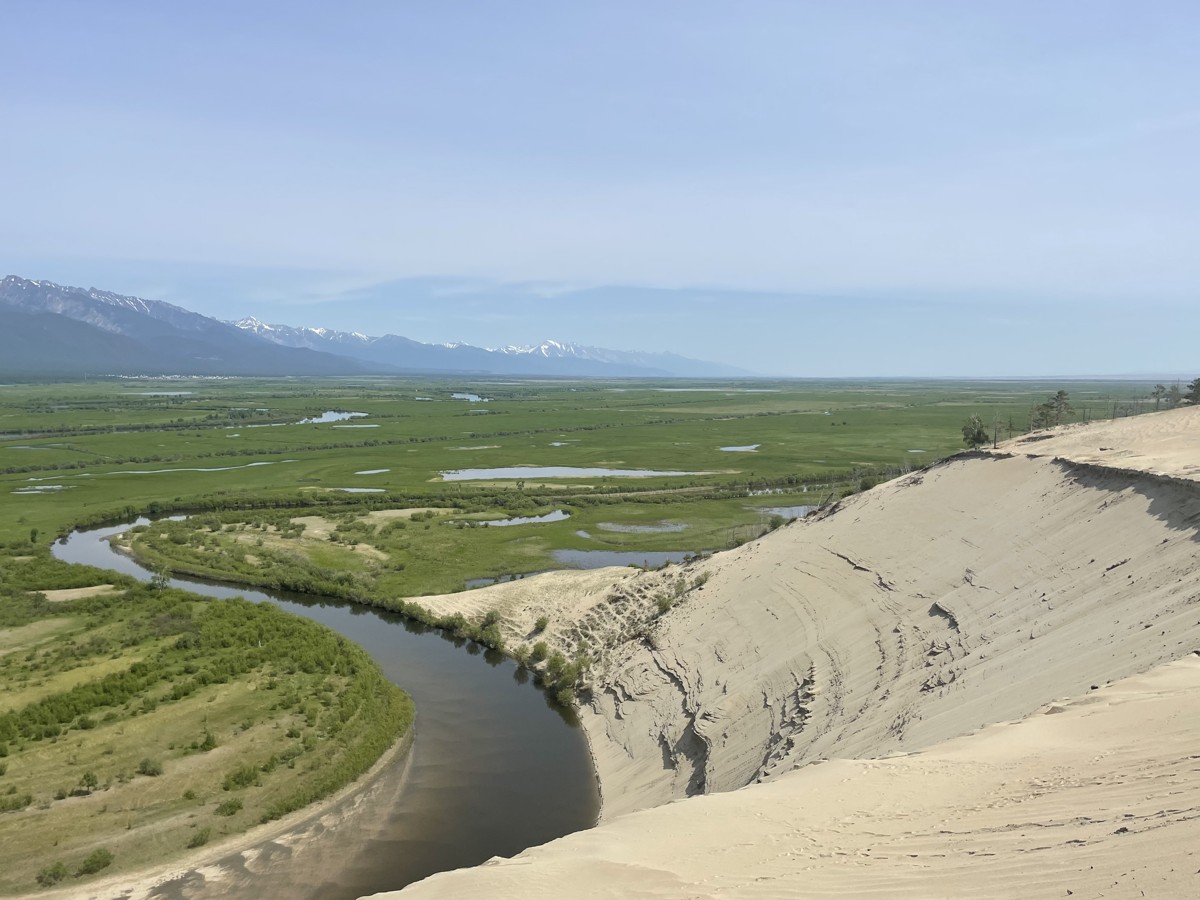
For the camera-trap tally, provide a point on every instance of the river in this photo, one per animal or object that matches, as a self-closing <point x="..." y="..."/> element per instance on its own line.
<point x="495" y="767"/>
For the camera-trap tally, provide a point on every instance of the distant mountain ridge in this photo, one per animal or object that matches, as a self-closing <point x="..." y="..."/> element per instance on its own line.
<point x="547" y="358"/>
<point x="49" y="329"/>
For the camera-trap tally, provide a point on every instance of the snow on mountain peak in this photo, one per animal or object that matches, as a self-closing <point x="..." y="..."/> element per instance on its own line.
<point x="249" y="323"/>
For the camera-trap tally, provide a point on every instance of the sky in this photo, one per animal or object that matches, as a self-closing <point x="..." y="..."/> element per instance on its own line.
<point x="796" y="188"/>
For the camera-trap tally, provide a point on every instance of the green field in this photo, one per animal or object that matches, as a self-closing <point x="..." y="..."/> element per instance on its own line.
<point x="82" y="453"/>
<point x="74" y="454"/>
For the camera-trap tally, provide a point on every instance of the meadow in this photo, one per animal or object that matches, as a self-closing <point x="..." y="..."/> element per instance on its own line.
<point x="293" y="503"/>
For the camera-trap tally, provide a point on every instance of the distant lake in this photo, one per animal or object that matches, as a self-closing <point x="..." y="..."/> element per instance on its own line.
<point x="522" y="472"/>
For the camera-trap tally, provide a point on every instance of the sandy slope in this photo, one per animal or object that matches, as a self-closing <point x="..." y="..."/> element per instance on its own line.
<point x="1165" y="443"/>
<point x="972" y="593"/>
<point x="1075" y="800"/>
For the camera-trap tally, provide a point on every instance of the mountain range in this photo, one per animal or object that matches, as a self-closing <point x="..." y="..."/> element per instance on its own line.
<point x="47" y="329"/>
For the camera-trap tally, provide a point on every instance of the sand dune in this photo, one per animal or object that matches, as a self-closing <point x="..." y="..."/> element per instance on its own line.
<point x="1076" y="800"/>
<point x="912" y="615"/>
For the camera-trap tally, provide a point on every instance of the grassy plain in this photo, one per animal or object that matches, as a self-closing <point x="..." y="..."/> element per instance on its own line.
<point x="78" y="453"/>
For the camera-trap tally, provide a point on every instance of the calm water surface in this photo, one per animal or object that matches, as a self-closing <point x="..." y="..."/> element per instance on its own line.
<point x="495" y="767"/>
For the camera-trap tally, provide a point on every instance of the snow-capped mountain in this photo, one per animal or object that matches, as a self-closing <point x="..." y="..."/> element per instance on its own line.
<point x="667" y="363"/>
<point x="46" y="328"/>
<point x="547" y="358"/>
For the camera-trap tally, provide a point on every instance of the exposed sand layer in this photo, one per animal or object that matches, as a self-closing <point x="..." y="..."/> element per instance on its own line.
<point x="972" y="592"/>
<point x="975" y="592"/>
<point x="1074" y="801"/>
<point x="563" y="597"/>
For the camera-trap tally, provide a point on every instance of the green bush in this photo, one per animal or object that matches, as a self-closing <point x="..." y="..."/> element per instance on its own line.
<point x="241" y="777"/>
<point x="541" y="623"/>
<point x="97" y="860"/>
<point x="149" y="767"/>
<point x="200" y="838"/>
<point x="229" y="808"/>
<point x="52" y="875"/>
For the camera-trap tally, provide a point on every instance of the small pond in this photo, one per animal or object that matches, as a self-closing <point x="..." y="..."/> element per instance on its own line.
<point x="557" y="516"/>
<point x="660" y="528"/>
<point x="788" y="512"/>
<point x="598" y="559"/>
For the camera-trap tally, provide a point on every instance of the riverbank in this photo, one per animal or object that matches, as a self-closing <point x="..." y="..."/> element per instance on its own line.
<point x="464" y="800"/>
<point x="282" y="856"/>
<point x="982" y="590"/>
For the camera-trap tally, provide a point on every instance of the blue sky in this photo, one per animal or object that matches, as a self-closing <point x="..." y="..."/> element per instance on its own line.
<point x="797" y="188"/>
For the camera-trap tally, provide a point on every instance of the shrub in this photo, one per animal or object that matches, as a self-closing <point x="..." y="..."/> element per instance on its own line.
<point x="541" y="623"/>
<point x="539" y="652"/>
<point x="241" y="777"/>
<point x="51" y="875"/>
<point x="200" y="838"/>
<point x="189" y="794"/>
<point x="664" y="603"/>
<point x="149" y="767"/>
<point x="229" y="808"/>
<point x="97" y="860"/>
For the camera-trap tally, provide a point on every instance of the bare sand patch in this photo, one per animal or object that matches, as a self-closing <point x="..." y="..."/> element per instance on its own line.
<point x="64" y="594"/>
<point x="317" y="530"/>
<point x="383" y="516"/>
<point x="315" y="526"/>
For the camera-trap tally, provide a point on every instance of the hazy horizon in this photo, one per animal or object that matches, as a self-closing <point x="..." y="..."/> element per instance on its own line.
<point x="908" y="189"/>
